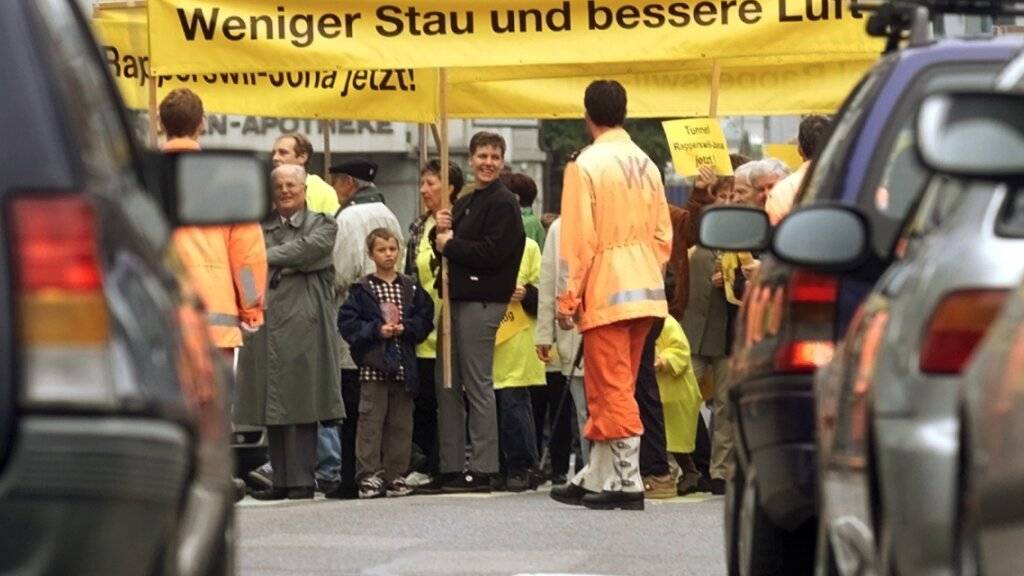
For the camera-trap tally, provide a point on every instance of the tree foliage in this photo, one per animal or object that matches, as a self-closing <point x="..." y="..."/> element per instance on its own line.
<point x="560" y="138"/>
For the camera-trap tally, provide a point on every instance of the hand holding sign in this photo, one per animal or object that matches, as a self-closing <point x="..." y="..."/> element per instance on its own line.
<point x="697" y="142"/>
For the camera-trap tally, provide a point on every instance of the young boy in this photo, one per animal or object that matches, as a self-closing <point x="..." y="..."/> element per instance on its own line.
<point x="385" y="316"/>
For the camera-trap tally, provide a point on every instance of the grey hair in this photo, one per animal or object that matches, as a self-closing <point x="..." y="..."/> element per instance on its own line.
<point x="767" y="166"/>
<point x="290" y="170"/>
<point x="743" y="171"/>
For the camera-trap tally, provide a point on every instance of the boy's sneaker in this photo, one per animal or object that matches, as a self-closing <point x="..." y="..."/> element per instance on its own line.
<point x="468" y="482"/>
<point x="262" y="476"/>
<point x="371" y="487"/>
<point x="416" y="479"/>
<point x="398" y="488"/>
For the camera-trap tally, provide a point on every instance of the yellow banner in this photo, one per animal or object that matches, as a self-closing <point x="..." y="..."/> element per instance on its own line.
<point x="203" y="36"/>
<point x="765" y="89"/>
<point x="697" y="142"/>
<point x="754" y="85"/>
<point x="514" y="322"/>
<point x="785" y="152"/>
<point x="399" y="95"/>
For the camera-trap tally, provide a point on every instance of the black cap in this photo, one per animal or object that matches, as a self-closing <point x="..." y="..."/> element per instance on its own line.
<point x="360" y="169"/>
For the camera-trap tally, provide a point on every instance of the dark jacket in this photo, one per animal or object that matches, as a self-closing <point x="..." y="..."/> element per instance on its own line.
<point x="709" y="317"/>
<point x="360" y="319"/>
<point x="484" y="255"/>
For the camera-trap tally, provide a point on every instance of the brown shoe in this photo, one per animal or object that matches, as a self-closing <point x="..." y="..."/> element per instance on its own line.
<point x="659" y="487"/>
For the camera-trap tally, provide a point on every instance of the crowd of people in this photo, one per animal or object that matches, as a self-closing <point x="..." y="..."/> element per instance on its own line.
<point x="578" y="341"/>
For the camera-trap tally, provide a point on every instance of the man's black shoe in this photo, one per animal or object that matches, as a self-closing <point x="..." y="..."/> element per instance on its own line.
<point x="618" y="500"/>
<point x="468" y="482"/>
<point x="717" y="486"/>
<point x="703" y="485"/>
<point x="499" y="483"/>
<point x="569" y="494"/>
<point x="270" y="494"/>
<point x="342" y="492"/>
<point x="327" y="486"/>
<point x="519" y="481"/>
<point x="300" y="493"/>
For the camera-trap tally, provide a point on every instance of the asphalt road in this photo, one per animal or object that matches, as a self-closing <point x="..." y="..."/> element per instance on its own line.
<point x="479" y="535"/>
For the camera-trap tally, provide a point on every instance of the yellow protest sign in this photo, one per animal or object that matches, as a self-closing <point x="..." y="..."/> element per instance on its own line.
<point x="696" y="142"/>
<point x="785" y="152"/>
<point x="514" y="322"/>
<point x="203" y="36"/>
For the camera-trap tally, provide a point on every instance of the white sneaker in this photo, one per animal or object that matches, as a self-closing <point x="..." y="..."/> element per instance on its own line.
<point x="371" y="487"/>
<point x="416" y="479"/>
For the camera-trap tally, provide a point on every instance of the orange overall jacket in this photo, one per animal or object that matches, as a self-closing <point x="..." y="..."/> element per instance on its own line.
<point x="616" y="234"/>
<point x="228" y="267"/>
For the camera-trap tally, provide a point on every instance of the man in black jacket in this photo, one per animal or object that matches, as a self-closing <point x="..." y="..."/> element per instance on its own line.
<point x="482" y="237"/>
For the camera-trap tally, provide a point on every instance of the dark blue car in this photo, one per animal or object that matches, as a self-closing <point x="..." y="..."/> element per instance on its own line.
<point x="792" y="317"/>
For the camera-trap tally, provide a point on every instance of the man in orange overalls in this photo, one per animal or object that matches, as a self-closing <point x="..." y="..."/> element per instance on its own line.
<point x="616" y="240"/>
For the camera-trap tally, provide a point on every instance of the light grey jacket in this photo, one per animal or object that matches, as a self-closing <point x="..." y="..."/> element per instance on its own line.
<point x="552" y="281"/>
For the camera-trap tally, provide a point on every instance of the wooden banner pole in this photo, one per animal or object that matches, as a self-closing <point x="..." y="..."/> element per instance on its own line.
<point x="716" y="77"/>
<point x="441" y="135"/>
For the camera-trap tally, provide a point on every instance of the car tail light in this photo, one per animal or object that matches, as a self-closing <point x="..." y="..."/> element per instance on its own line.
<point x="804" y="355"/>
<point x="812" y="299"/>
<point x="63" y="324"/>
<point x="956" y="327"/>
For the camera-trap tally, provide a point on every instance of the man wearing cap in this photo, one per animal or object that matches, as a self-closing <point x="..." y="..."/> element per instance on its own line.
<point x="362" y="211"/>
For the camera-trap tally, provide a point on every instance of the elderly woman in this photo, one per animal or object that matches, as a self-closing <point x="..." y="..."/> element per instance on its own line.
<point x="288" y="369"/>
<point x="482" y="237"/>
<point x="423" y="264"/>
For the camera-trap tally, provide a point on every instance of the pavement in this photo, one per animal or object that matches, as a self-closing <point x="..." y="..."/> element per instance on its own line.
<point x="479" y="535"/>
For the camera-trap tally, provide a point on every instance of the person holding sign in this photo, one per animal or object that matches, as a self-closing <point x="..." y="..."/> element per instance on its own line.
<point x="483" y="239"/>
<point x="616" y="241"/>
<point x="516" y="368"/>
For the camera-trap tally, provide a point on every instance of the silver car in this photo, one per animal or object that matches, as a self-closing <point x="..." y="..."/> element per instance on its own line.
<point x="888" y="405"/>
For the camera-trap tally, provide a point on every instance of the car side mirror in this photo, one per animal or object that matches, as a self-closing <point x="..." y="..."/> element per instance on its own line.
<point x="972" y="134"/>
<point x="211" y="187"/>
<point x="826" y="238"/>
<point x="734" y="228"/>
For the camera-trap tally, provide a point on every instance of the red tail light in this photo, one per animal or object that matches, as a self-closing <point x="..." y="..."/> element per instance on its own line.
<point x="809" y="288"/>
<point x="804" y="355"/>
<point x="956" y="327"/>
<point x="812" y="299"/>
<point x="55" y="243"/>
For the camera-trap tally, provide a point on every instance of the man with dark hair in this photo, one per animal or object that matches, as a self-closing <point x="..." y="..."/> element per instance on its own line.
<point x="295" y="148"/>
<point x="814" y="130"/>
<point x="525" y="190"/>
<point x="617" y="271"/>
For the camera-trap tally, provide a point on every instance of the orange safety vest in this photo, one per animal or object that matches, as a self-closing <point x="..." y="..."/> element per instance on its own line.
<point x="228" y="268"/>
<point x="616" y="234"/>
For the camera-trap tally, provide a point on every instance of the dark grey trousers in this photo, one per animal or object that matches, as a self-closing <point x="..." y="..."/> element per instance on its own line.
<point x="293" y="454"/>
<point x="474" y="325"/>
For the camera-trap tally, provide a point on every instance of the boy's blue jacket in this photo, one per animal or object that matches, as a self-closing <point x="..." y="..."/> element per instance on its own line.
<point x="360" y="319"/>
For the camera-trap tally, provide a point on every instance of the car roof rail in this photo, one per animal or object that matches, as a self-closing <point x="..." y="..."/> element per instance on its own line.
<point x="910" y="20"/>
<point x="897" y="21"/>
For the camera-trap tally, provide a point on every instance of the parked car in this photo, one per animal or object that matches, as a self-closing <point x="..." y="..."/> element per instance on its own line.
<point x="888" y="403"/>
<point x="114" y="437"/>
<point x="990" y="495"/>
<point x="792" y="316"/>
